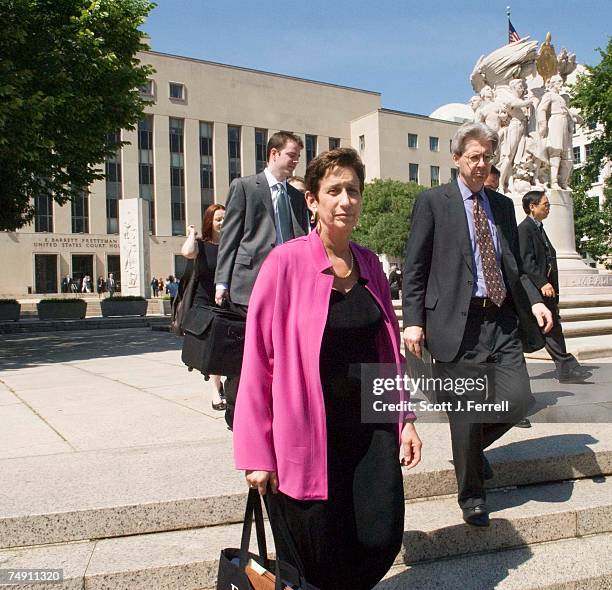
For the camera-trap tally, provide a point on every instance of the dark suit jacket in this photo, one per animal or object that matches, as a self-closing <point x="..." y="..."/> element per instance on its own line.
<point x="438" y="280"/>
<point x="533" y="253"/>
<point x="249" y="232"/>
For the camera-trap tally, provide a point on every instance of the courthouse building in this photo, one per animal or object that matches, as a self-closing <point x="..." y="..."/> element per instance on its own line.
<point x="207" y="124"/>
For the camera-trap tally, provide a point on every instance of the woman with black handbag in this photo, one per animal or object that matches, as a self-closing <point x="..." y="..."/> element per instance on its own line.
<point x="321" y="306"/>
<point x="205" y="249"/>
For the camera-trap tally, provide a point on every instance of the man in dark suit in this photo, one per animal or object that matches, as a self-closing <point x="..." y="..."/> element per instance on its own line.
<point x="463" y="293"/>
<point x="540" y="263"/>
<point x="261" y="212"/>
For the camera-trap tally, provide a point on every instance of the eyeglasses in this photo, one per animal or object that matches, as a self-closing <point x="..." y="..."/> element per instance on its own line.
<point x="474" y="159"/>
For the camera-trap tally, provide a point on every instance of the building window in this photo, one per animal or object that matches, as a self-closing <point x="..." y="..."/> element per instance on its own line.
<point x="311" y="148"/>
<point x="261" y="141"/>
<point x="113" y="186"/>
<point x="207" y="182"/>
<point x="413" y="172"/>
<point x="147" y="90"/>
<point x="43" y="213"/>
<point x="587" y="151"/>
<point x="80" y="213"/>
<point x="434" y="144"/>
<point x="453" y="173"/>
<point x="450" y="146"/>
<point x="45" y="273"/>
<point x="361" y="143"/>
<point x="413" y="141"/>
<point x="434" y="172"/>
<point x="146" y="182"/>
<point x="334" y="143"/>
<point x="177" y="177"/>
<point x="177" y="91"/>
<point x="576" y="151"/>
<point x="233" y="148"/>
<point x="180" y="264"/>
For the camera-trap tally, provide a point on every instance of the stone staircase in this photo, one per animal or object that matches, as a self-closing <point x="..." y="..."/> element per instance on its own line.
<point x="156" y="517"/>
<point x="586" y="319"/>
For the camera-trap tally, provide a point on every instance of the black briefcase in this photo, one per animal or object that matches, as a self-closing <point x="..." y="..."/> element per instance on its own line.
<point x="214" y="340"/>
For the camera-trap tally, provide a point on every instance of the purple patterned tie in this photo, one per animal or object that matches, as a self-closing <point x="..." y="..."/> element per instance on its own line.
<point x="492" y="273"/>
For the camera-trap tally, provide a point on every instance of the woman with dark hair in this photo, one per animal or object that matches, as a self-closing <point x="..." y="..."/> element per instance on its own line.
<point x="205" y="249"/>
<point x="321" y="306"/>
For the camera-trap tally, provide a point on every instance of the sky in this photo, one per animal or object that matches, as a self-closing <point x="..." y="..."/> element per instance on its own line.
<point x="418" y="55"/>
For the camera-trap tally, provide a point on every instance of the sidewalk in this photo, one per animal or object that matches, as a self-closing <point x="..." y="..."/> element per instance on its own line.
<point x="106" y="434"/>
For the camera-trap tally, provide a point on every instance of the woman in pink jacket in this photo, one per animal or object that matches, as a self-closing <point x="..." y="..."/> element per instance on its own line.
<point x="321" y="306"/>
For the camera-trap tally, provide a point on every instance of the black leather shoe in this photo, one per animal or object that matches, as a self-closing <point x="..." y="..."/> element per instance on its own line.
<point x="488" y="471"/>
<point x="476" y="516"/>
<point x="574" y="376"/>
<point x="524" y="423"/>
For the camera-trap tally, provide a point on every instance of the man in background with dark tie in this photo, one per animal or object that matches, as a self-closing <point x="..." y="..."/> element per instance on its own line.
<point x="464" y="293"/>
<point x="540" y="263"/>
<point x="262" y="211"/>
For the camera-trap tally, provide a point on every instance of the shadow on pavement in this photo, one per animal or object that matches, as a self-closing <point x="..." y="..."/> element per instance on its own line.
<point x="19" y="351"/>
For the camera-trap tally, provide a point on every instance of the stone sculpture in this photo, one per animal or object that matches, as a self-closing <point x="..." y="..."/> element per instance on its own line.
<point x="520" y="95"/>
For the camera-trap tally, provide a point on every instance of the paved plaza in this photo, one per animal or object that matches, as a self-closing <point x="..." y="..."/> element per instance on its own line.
<point x="106" y="438"/>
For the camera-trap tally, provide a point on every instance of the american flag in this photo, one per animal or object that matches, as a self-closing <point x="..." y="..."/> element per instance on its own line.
<point x="512" y="34"/>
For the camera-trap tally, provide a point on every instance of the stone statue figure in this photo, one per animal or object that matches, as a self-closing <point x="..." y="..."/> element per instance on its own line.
<point x="556" y="124"/>
<point x="490" y="112"/>
<point x="566" y="63"/>
<point x="475" y="103"/>
<point x="513" y="144"/>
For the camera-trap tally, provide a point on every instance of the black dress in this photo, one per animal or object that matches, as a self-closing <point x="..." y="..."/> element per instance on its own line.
<point x="207" y="264"/>
<point x="350" y="540"/>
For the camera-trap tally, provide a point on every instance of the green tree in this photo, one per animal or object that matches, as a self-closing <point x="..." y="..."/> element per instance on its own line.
<point x="593" y="96"/>
<point x="385" y="219"/>
<point x="69" y="78"/>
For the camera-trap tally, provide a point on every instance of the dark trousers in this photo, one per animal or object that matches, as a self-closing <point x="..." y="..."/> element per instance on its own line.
<point x="490" y="340"/>
<point x="230" y="387"/>
<point x="555" y="341"/>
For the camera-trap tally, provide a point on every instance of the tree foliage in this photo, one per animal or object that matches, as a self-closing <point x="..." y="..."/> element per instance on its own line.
<point x="593" y="96"/>
<point x="69" y="77"/>
<point x="385" y="219"/>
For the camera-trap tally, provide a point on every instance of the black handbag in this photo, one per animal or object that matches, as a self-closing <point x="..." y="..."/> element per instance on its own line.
<point x="233" y="562"/>
<point x="184" y="298"/>
<point x="213" y="340"/>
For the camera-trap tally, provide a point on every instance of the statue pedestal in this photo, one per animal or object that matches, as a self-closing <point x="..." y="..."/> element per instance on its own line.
<point x="134" y="247"/>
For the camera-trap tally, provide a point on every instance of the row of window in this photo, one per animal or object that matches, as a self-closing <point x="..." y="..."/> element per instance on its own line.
<point x="146" y="178"/>
<point x="413" y="142"/>
<point x="434" y="174"/>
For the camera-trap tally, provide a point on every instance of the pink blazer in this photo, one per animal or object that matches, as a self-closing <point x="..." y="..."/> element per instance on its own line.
<point x="279" y="424"/>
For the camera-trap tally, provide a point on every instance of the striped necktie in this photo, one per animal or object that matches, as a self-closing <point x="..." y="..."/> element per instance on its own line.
<point x="284" y="214"/>
<point x="492" y="273"/>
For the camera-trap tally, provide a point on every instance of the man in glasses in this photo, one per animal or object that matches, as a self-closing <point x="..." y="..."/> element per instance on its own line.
<point x="540" y="263"/>
<point x="464" y="293"/>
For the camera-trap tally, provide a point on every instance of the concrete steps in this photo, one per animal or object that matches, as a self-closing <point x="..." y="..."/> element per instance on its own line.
<point x="149" y="490"/>
<point x="157" y="517"/>
<point x="187" y="559"/>
<point x="574" y="564"/>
